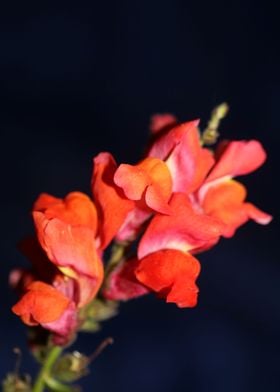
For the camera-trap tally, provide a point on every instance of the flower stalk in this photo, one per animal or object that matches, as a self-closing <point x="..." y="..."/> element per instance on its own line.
<point x="44" y="377"/>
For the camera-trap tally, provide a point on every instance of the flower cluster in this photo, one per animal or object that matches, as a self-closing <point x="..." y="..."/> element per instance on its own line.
<point x="178" y="201"/>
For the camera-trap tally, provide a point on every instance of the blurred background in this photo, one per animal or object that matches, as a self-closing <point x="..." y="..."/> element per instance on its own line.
<point x="79" y="79"/>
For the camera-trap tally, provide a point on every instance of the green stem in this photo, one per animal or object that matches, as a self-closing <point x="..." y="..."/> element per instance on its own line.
<point x="45" y="371"/>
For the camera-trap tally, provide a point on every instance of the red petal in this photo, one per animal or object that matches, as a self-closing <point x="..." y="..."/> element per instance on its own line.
<point x="89" y="286"/>
<point x="237" y="158"/>
<point x="188" y="162"/>
<point x="41" y="304"/>
<point x="172" y="274"/>
<point x="184" y="229"/>
<point x="113" y="206"/>
<point x="76" y="209"/>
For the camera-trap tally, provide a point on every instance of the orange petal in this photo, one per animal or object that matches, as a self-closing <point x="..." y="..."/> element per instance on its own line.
<point x="150" y="179"/>
<point x="172" y="275"/>
<point x="76" y="209"/>
<point x="257" y="215"/>
<point x="41" y="304"/>
<point x="69" y="246"/>
<point x="113" y="206"/>
<point x="225" y="201"/>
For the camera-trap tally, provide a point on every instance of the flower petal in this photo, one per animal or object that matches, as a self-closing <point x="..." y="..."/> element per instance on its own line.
<point x="76" y="209"/>
<point x="161" y="122"/>
<point x="113" y="206"/>
<point x="187" y="161"/>
<point x="42" y="303"/>
<point x="150" y="179"/>
<point x="70" y="248"/>
<point x="64" y="326"/>
<point x="237" y="158"/>
<point x="133" y="224"/>
<point x="172" y="275"/>
<point x="184" y="229"/>
<point x="225" y="201"/>
<point x="258" y="215"/>
<point x="122" y="283"/>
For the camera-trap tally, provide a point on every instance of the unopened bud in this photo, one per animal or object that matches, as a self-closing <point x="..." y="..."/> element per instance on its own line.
<point x="210" y="134"/>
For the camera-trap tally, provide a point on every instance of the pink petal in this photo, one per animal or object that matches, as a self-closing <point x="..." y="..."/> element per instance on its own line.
<point x="63" y="327"/>
<point x="133" y="224"/>
<point x="122" y="283"/>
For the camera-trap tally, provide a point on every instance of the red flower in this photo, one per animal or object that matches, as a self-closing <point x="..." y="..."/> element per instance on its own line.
<point x="223" y="198"/>
<point x="67" y="232"/>
<point x="203" y="206"/>
<point x="207" y="179"/>
<point x="43" y="304"/>
<point x="186" y="191"/>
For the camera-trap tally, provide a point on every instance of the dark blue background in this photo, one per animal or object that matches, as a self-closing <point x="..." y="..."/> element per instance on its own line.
<point x="76" y="80"/>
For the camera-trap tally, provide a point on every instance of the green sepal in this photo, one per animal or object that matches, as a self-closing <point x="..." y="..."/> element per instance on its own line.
<point x="15" y="383"/>
<point x="95" y="312"/>
<point x="90" y="325"/>
<point x="71" y="367"/>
